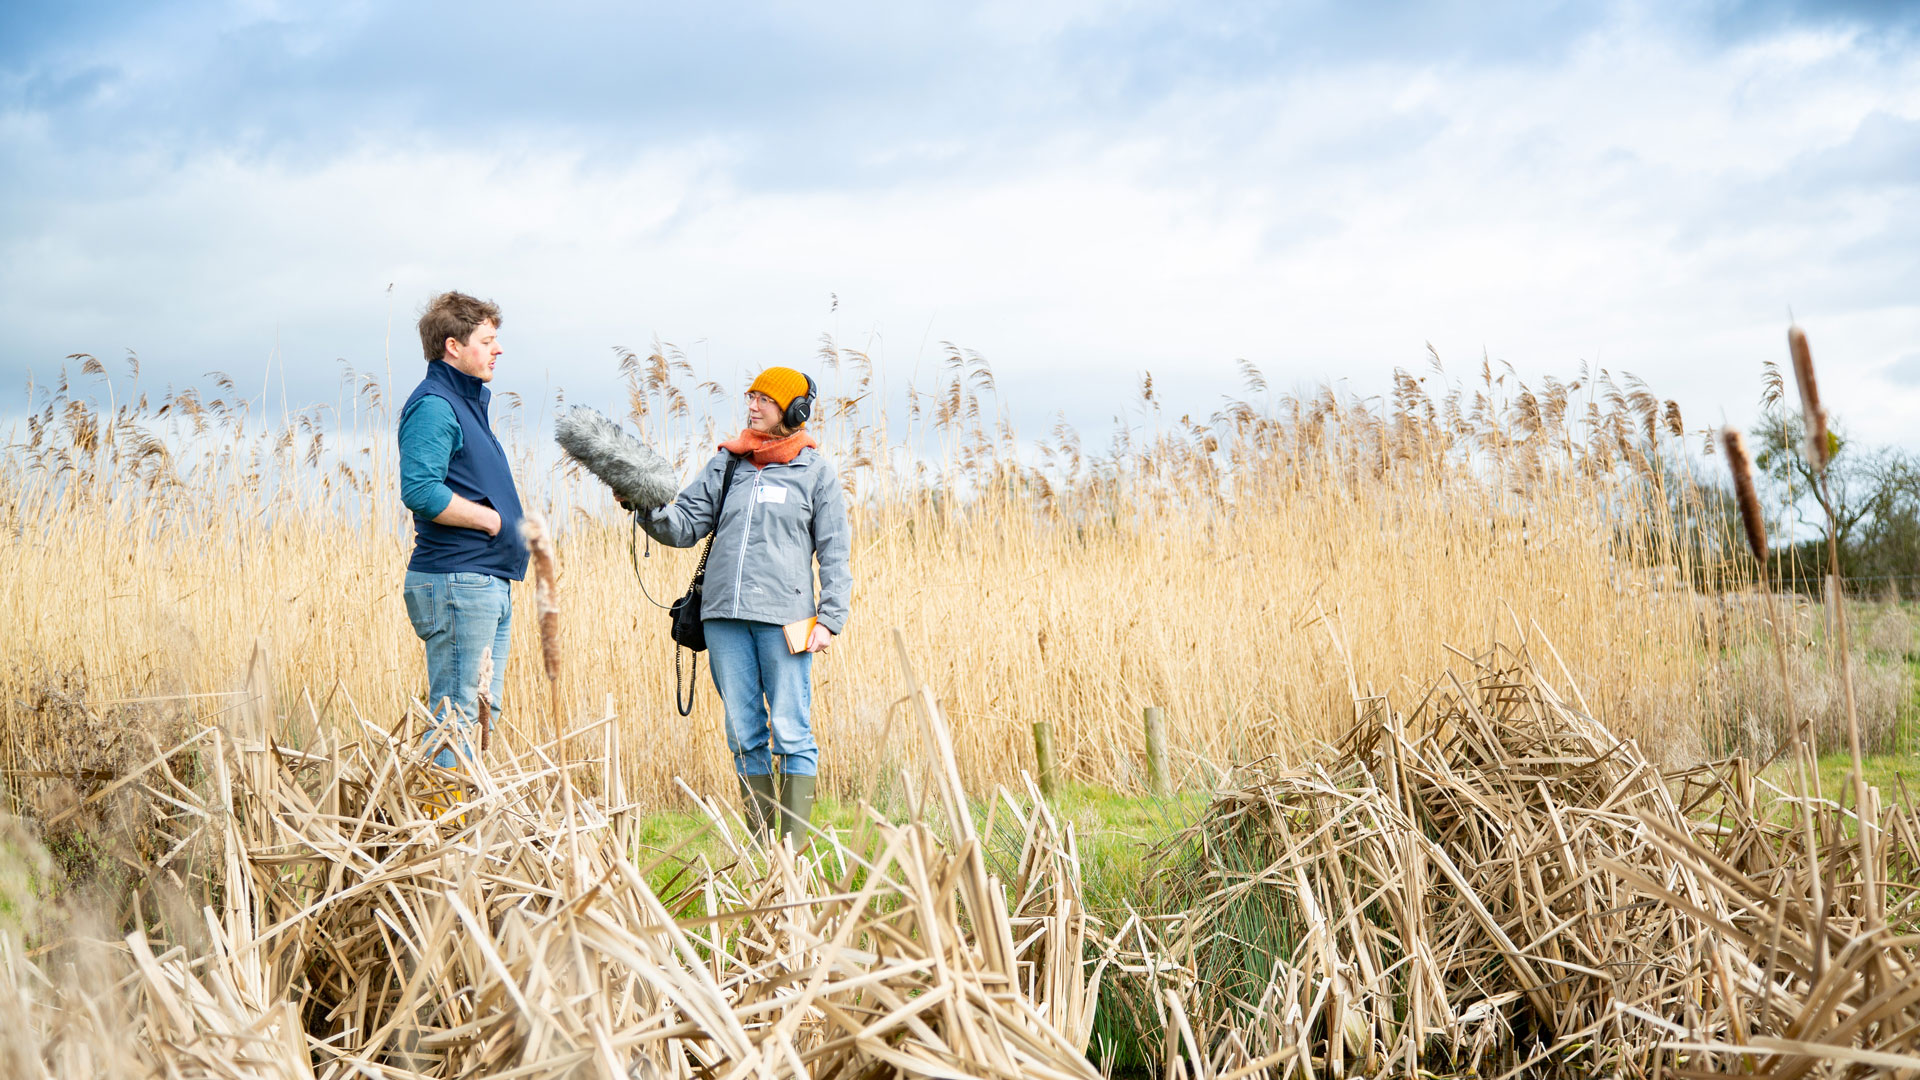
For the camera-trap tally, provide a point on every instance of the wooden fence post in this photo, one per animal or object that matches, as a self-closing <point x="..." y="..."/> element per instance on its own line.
<point x="1043" y="753"/>
<point x="1158" y="775"/>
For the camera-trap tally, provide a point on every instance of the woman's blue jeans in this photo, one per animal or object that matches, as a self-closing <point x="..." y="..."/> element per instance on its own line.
<point x="768" y="694"/>
<point x="459" y="616"/>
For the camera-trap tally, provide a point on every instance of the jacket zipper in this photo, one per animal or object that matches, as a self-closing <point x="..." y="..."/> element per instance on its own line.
<point x="740" y="564"/>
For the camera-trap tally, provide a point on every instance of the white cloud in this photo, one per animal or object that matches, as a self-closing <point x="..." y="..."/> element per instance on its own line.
<point x="1639" y="205"/>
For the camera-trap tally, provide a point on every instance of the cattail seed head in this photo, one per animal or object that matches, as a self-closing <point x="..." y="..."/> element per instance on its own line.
<point x="1741" y="466"/>
<point x="546" y="587"/>
<point x="1812" y="415"/>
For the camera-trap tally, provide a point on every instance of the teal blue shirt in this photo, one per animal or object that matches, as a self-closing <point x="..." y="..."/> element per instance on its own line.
<point x="429" y="437"/>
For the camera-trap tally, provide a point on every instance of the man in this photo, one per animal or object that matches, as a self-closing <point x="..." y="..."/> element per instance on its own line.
<point x="466" y="515"/>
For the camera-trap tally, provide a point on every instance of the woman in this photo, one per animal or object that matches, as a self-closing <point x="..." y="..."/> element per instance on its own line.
<point x="783" y="509"/>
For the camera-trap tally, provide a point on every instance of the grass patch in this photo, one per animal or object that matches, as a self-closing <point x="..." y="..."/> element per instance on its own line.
<point x="1116" y="833"/>
<point x="1888" y="772"/>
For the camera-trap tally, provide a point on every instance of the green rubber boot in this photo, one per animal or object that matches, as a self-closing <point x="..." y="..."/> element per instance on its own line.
<point x="796" y="809"/>
<point x="757" y="793"/>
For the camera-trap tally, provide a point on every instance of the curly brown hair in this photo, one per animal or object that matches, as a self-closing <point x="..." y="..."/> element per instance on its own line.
<point x="453" y="315"/>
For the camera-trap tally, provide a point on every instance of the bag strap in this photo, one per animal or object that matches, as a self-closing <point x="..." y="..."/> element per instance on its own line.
<point x="726" y="482"/>
<point x="682" y="692"/>
<point x="634" y="551"/>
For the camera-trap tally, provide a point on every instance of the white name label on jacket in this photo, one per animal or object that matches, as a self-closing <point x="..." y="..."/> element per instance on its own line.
<point x="772" y="494"/>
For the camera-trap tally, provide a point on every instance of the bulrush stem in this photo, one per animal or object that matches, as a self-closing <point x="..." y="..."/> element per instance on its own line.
<point x="1819" y="447"/>
<point x="1806" y="762"/>
<point x="1862" y="808"/>
<point x="1741" y="465"/>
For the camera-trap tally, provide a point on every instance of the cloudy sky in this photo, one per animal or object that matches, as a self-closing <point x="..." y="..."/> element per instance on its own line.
<point x="1080" y="192"/>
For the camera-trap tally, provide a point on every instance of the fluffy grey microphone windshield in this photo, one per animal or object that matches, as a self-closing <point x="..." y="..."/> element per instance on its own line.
<point x="637" y="474"/>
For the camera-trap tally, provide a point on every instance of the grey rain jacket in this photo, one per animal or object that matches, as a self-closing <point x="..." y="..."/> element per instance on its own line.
<point x="777" y="520"/>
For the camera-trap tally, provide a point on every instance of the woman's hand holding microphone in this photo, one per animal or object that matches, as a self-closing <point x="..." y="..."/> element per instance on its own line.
<point x="644" y="512"/>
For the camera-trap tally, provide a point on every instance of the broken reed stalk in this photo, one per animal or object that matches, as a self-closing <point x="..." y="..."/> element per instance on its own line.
<point x="546" y="593"/>
<point x="1806" y="762"/>
<point x="483" y="698"/>
<point x="1819" y="447"/>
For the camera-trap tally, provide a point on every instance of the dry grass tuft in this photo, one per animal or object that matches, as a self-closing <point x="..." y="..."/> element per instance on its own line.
<point x="1883" y="690"/>
<point x="108" y="844"/>
<point x="1891" y="633"/>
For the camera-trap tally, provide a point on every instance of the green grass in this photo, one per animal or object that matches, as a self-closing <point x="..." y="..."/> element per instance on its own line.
<point x="26" y="880"/>
<point x="1884" y="771"/>
<point x="689" y="836"/>
<point x="1115" y="831"/>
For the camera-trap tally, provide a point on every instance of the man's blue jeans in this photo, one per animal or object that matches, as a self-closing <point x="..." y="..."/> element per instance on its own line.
<point x="767" y="691"/>
<point x="459" y="616"/>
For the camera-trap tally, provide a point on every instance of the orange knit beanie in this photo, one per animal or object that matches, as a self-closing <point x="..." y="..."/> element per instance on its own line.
<point x="781" y="384"/>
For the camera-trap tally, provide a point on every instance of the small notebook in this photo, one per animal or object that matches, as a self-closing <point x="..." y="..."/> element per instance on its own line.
<point x="799" y="633"/>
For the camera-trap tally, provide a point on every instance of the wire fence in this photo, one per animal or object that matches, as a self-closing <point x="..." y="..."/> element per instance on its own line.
<point x="1861" y="586"/>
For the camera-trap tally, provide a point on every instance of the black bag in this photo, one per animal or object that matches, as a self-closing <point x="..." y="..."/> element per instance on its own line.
<point x="688" y="631"/>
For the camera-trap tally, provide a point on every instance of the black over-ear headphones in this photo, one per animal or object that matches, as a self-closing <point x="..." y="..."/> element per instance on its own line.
<point x="800" y="409"/>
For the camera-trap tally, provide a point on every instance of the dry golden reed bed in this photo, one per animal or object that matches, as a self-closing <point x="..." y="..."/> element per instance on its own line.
<point x="1250" y="571"/>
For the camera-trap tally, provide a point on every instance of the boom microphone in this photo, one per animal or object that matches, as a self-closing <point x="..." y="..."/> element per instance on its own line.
<point x="638" y="475"/>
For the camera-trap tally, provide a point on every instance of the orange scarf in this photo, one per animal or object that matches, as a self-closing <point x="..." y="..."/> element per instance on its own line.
<point x="764" y="449"/>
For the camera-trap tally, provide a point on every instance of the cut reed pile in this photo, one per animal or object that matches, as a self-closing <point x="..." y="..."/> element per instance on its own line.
<point x="1493" y="881"/>
<point x="377" y="916"/>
